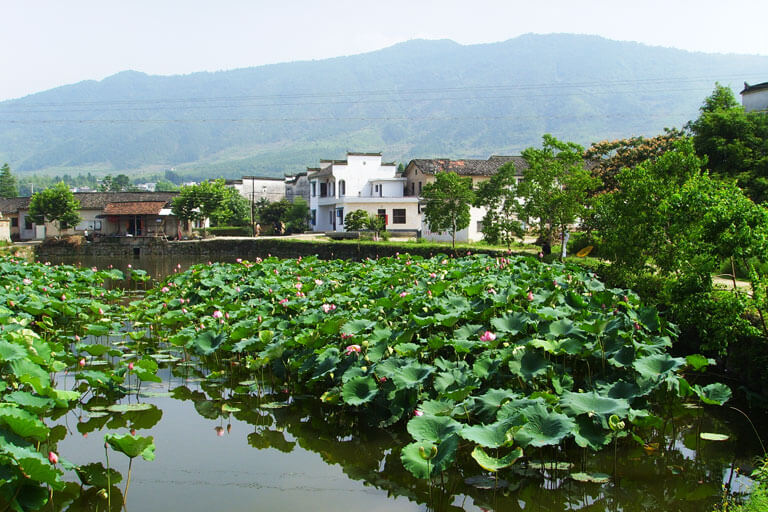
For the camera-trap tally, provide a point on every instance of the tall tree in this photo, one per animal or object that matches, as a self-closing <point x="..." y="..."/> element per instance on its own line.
<point x="499" y="196"/>
<point x="446" y="203"/>
<point x="56" y="204"/>
<point x="8" y="186"/>
<point x="199" y="202"/>
<point x="734" y="142"/>
<point x="553" y="193"/>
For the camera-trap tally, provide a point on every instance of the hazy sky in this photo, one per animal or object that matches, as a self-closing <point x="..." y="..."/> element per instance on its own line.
<point x="46" y="43"/>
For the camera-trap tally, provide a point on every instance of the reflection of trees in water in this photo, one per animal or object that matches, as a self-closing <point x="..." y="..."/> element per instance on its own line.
<point x="680" y="472"/>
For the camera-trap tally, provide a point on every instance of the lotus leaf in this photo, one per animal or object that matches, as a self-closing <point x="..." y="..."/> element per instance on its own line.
<point x="656" y="366"/>
<point x="132" y="446"/>
<point x="592" y="403"/>
<point x="493" y="464"/>
<point x="590" y="434"/>
<point x="543" y="427"/>
<point x="435" y="429"/>
<point x="492" y="435"/>
<point x="414" y="461"/>
<point x="711" y="436"/>
<point x="593" y="478"/>
<point x="513" y="323"/>
<point x="23" y="423"/>
<point x="411" y="375"/>
<point x="97" y="475"/>
<point x="359" y="390"/>
<point x="713" y="394"/>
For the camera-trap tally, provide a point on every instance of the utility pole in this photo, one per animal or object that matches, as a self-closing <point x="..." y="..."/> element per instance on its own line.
<point x="253" y="226"/>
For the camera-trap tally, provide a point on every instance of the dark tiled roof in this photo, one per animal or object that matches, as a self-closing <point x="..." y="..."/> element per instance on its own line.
<point x="99" y="200"/>
<point x="468" y="167"/>
<point x="349" y="153"/>
<point x="12" y="204"/>
<point x="752" y="88"/>
<point x="134" y="208"/>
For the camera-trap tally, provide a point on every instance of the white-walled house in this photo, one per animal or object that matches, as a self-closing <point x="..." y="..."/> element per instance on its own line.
<point x="254" y="188"/>
<point x="754" y="98"/>
<point x="421" y="171"/>
<point x="361" y="182"/>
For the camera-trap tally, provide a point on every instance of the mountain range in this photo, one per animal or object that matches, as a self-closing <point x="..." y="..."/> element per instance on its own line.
<point x="417" y="99"/>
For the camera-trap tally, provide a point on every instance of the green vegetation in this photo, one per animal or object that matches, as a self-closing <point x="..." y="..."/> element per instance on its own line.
<point x="446" y="203"/>
<point x="8" y="187"/>
<point x="56" y="204"/>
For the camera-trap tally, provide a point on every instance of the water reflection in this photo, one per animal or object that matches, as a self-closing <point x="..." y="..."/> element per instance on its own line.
<point x="228" y="442"/>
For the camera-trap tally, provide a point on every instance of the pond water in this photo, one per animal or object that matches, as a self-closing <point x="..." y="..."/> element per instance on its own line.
<point x="242" y="445"/>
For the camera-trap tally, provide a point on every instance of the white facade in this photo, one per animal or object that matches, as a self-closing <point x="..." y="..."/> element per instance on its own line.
<point x="754" y="98"/>
<point x="361" y="182"/>
<point x="254" y="188"/>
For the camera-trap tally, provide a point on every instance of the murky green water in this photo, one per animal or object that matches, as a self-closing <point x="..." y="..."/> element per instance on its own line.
<point x="239" y="445"/>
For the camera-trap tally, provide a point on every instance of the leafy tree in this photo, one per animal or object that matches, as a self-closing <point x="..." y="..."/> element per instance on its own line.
<point x="8" y="187"/>
<point x="606" y="158"/>
<point x="553" y="193"/>
<point x="297" y="216"/>
<point x="272" y="214"/>
<point x="498" y="195"/>
<point x="56" y="204"/>
<point x="199" y="202"/>
<point x="356" y="220"/>
<point x="669" y="218"/>
<point x="447" y="201"/>
<point x="234" y="209"/>
<point x="734" y="142"/>
<point x="165" y="186"/>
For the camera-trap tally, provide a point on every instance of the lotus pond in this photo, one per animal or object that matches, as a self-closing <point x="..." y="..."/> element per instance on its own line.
<point x="395" y="384"/>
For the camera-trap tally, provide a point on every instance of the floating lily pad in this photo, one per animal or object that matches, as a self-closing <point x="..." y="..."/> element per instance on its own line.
<point x="130" y="407"/>
<point x="711" y="436"/>
<point x="593" y="478"/>
<point x="486" y="482"/>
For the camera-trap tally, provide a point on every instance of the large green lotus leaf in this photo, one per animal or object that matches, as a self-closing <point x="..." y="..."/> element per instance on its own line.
<point x="413" y="457"/>
<point x="649" y="317"/>
<point x="562" y="327"/>
<point x="359" y="390"/>
<point x="93" y="349"/>
<point x="657" y="365"/>
<point x="96" y="330"/>
<point x="492" y="435"/>
<point x="207" y="342"/>
<point x="173" y="317"/>
<point x="466" y="331"/>
<point x="11" y="351"/>
<point x="97" y="475"/>
<point x="132" y="446"/>
<point x="513" y="323"/>
<point x="28" y="372"/>
<point x="593" y="478"/>
<point x="713" y="394"/>
<point x="34" y="465"/>
<point x="435" y="429"/>
<point x="22" y="422"/>
<point x="698" y="362"/>
<point x="493" y="464"/>
<point x="543" y="427"/>
<point x="531" y="365"/>
<point x="620" y="389"/>
<point x="357" y="326"/>
<point x="589" y="434"/>
<point x="513" y="409"/>
<point x="327" y="362"/>
<point x="411" y="375"/>
<point x="29" y="402"/>
<point x="489" y="403"/>
<point x="575" y="404"/>
<point x="622" y="357"/>
<point x="437" y="407"/>
<point x="130" y="407"/>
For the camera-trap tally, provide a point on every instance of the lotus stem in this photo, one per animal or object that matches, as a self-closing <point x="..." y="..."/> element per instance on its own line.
<point x="127" y="483"/>
<point x="753" y="428"/>
<point x="109" y="480"/>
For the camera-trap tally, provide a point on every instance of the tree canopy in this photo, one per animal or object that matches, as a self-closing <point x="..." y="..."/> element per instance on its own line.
<point x="8" y="185"/>
<point x="55" y="204"/>
<point x="499" y="196"/>
<point x="554" y="188"/>
<point x="446" y="203"/>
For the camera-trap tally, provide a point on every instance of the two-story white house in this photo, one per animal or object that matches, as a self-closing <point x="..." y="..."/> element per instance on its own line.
<point x="754" y="98"/>
<point x="361" y="182"/>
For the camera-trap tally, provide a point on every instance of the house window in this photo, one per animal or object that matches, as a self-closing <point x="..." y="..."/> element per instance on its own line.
<point x="479" y="226"/>
<point x="14" y="222"/>
<point x="323" y="189"/>
<point x="419" y="188"/>
<point x="382" y="214"/>
<point x="27" y="223"/>
<point x="313" y="218"/>
<point x="314" y="189"/>
<point x="342" y="188"/>
<point x="398" y="216"/>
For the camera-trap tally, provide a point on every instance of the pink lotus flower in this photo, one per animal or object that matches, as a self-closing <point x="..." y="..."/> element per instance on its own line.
<point x="130" y="366"/>
<point x="77" y="338"/>
<point x="541" y="255"/>
<point x="318" y="282"/>
<point x="165" y="289"/>
<point x="53" y="458"/>
<point x="403" y="294"/>
<point x="487" y="336"/>
<point x="637" y="326"/>
<point x="418" y="413"/>
<point x="130" y="266"/>
<point x="27" y="281"/>
<point x="63" y="297"/>
<point x="328" y="307"/>
<point x="239" y="260"/>
<point x="81" y="362"/>
<point x="220" y="431"/>
<point x="101" y="312"/>
<point x="530" y="295"/>
<point x="352" y="349"/>
<point x="184" y="310"/>
<point x="259" y="318"/>
<point x="181" y="300"/>
<point x="284" y="302"/>
<point x="217" y="314"/>
<point x="237" y="289"/>
<point x="432" y="275"/>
